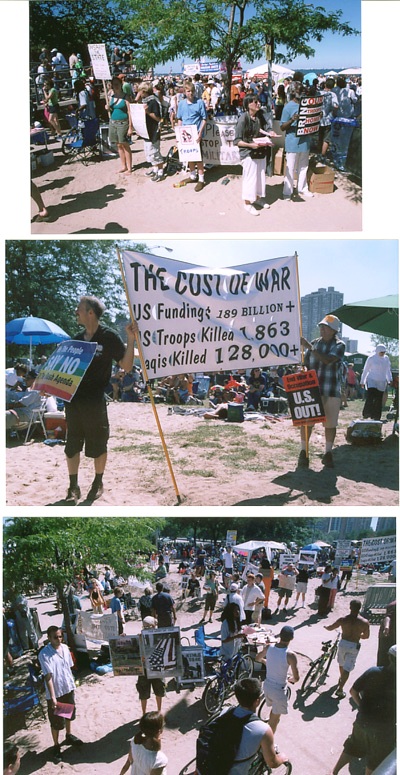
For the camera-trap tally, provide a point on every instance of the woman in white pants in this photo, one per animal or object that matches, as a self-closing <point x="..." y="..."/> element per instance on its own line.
<point x="247" y="129"/>
<point x="297" y="148"/>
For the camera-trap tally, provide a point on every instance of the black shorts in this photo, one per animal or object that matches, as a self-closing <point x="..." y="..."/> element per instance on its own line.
<point x="87" y="424"/>
<point x="144" y="685"/>
<point x="58" y="722"/>
<point x="325" y="134"/>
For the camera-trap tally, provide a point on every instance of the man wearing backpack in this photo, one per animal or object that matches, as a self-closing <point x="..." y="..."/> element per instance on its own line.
<point x="243" y="734"/>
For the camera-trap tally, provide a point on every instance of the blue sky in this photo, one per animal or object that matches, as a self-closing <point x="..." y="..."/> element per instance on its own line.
<point x="360" y="269"/>
<point x="334" y="52"/>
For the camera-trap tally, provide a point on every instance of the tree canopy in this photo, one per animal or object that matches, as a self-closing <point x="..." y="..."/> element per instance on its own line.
<point x="70" y="26"/>
<point x="39" y="550"/>
<point x="226" y="30"/>
<point x="46" y="278"/>
<point x="258" y="529"/>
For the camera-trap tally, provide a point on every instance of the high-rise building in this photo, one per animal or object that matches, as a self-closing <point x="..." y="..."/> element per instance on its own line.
<point x="351" y="345"/>
<point x="386" y="523"/>
<point x="314" y="307"/>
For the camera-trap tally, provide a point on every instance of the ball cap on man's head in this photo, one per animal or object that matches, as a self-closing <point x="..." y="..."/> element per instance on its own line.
<point x="234" y="587"/>
<point x="286" y="633"/>
<point x="331" y="321"/>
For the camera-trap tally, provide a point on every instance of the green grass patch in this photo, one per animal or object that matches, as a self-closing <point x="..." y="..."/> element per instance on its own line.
<point x="149" y="451"/>
<point x="198" y="472"/>
<point x="209" y="435"/>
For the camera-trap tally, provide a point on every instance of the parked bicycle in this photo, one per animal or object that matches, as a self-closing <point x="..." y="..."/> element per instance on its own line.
<point x="221" y="685"/>
<point x="319" y="668"/>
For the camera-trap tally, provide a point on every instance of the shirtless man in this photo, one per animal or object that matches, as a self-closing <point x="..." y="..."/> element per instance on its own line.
<point x="354" y="628"/>
<point x="278" y="658"/>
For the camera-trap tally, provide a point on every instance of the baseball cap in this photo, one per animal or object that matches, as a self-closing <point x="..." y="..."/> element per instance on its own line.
<point x="331" y="321"/>
<point x="286" y="633"/>
<point x="393" y="651"/>
<point x="234" y="587"/>
<point x="149" y="621"/>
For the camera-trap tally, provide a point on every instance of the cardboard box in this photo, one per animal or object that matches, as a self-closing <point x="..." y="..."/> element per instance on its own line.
<point x="321" y="180"/>
<point x="279" y="161"/>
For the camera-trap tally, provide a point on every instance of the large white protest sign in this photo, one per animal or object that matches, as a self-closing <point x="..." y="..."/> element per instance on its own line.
<point x="343" y="551"/>
<point x="193" y="318"/>
<point x="99" y="61"/>
<point x="138" y="117"/>
<point x="97" y="627"/>
<point x="188" y="147"/>
<point x="377" y="550"/>
<point x="217" y="143"/>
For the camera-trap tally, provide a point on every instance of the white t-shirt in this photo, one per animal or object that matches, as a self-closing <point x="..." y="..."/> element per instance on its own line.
<point x="58" y="662"/>
<point x="144" y="761"/>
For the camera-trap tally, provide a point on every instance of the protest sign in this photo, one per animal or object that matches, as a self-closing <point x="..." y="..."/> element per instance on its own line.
<point x="287" y="582"/>
<point x="286" y="558"/>
<point x="62" y="373"/>
<point x="162" y="652"/>
<point x="188" y="147"/>
<point x="97" y="627"/>
<point x="304" y="397"/>
<point x="307" y="557"/>
<point x="193" y="318"/>
<point x="138" y="118"/>
<point x="231" y="537"/>
<point x="310" y="109"/>
<point x="342" y="552"/>
<point x="377" y="550"/>
<point x="99" y="61"/>
<point x="193" y="665"/>
<point x="126" y="655"/>
<point x="217" y="142"/>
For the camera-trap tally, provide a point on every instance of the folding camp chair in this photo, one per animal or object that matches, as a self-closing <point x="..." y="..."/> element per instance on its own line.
<point x="21" y="699"/>
<point x="83" y="140"/>
<point x="210" y="653"/>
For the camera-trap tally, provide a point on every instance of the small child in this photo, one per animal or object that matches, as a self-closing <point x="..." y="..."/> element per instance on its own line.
<point x="153" y="118"/>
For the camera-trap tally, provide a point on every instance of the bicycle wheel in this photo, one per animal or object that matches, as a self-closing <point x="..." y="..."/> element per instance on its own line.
<point x="69" y="139"/>
<point x="213" y="696"/>
<point x="263" y="711"/>
<point x="245" y="667"/>
<point x="312" y="675"/>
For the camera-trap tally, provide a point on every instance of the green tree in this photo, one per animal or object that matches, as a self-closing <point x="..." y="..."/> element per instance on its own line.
<point x="53" y="550"/>
<point x="46" y="278"/>
<point x="227" y="30"/>
<point x="278" y="529"/>
<point x="72" y="25"/>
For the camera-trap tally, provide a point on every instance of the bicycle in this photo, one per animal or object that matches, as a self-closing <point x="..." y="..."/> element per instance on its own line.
<point x="319" y="668"/>
<point x="221" y="685"/>
<point x="260" y="767"/>
<point x="264" y="710"/>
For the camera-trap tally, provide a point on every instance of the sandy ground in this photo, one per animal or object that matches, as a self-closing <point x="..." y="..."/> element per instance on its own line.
<point x="108" y="707"/>
<point x="95" y="199"/>
<point x="215" y="463"/>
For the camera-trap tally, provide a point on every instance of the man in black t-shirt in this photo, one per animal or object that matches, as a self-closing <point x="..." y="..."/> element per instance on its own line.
<point x="163" y="607"/>
<point x="86" y="414"/>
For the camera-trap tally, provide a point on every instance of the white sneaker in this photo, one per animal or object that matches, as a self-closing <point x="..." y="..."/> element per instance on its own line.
<point x="262" y="203"/>
<point x="252" y="210"/>
<point x="306" y="194"/>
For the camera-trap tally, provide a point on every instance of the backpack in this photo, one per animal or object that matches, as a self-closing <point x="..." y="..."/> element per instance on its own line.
<point x="218" y="743"/>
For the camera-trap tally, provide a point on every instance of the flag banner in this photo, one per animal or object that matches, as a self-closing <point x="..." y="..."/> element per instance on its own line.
<point x="194" y="318"/>
<point x="217" y="143"/>
<point x="377" y="549"/>
<point x="126" y="655"/>
<point x="310" y="110"/>
<point x="162" y="652"/>
<point x="99" y="61"/>
<point x="188" y="147"/>
<point x="97" y="627"/>
<point x="304" y="397"/>
<point x="62" y="373"/>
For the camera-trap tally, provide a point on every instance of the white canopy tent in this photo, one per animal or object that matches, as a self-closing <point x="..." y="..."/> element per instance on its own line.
<point x="279" y="72"/>
<point x="248" y="547"/>
<point x="351" y="71"/>
<point x="330" y="72"/>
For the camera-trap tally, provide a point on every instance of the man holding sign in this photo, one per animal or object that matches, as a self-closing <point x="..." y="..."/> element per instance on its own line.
<point x="325" y="355"/>
<point x="86" y="414"/>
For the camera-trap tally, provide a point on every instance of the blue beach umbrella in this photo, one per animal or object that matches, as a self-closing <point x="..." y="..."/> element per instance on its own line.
<point x="310" y="77"/>
<point x="32" y="331"/>
<point x="311" y="548"/>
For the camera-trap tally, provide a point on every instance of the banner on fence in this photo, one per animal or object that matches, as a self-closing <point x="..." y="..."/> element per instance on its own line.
<point x="217" y="143"/>
<point x="99" y="61"/>
<point x="63" y="371"/>
<point x="188" y="147"/>
<point x="310" y="110"/>
<point x="193" y="318"/>
<point x="304" y="397"/>
<point x="377" y="550"/>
